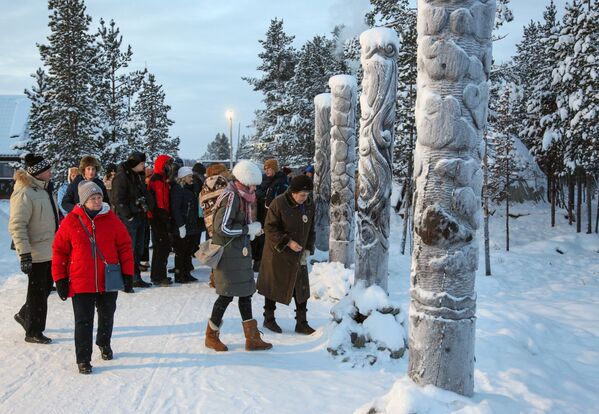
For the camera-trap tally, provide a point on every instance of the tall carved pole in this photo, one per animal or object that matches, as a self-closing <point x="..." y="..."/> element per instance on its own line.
<point x="322" y="169"/>
<point x="454" y="59"/>
<point x="343" y="167"/>
<point x="377" y="102"/>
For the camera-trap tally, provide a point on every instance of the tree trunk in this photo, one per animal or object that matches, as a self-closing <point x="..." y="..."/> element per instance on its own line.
<point x="570" y="199"/>
<point x="486" y="206"/>
<point x="343" y="167"/>
<point x="375" y="167"/>
<point x="507" y="206"/>
<point x="597" y="217"/>
<point x="578" y="201"/>
<point x="322" y="169"/>
<point x="553" y="197"/>
<point x="454" y="59"/>
<point x="589" y="200"/>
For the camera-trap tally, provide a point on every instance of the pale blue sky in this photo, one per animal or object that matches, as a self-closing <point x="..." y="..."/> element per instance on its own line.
<point x="200" y="49"/>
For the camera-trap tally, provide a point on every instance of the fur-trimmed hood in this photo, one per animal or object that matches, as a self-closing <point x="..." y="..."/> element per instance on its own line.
<point x="24" y="179"/>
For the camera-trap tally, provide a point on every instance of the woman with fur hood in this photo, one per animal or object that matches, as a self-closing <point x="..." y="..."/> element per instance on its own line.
<point x="233" y="229"/>
<point x="88" y="171"/>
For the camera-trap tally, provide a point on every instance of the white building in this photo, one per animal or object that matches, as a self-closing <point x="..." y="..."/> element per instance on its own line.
<point x="14" y="116"/>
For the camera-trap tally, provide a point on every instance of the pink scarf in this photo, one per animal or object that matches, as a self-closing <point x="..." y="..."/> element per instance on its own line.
<point x="248" y="197"/>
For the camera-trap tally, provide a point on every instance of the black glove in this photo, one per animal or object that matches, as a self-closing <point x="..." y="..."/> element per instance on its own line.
<point x="26" y="263"/>
<point x="62" y="288"/>
<point x="128" y="283"/>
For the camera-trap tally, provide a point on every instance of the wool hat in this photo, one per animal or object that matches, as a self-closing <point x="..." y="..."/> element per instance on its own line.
<point x="247" y="173"/>
<point x="215" y="169"/>
<point x="184" y="172"/>
<point x="87" y="189"/>
<point x="309" y="169"/>
<point x="135" y="158"/>
<point x="88" y="161"/>
<point x="272" y="163"/>
<point x="199" y="168"/>
<point x="301" y="183"/>
<point x="36" y="164"/>
<point x="111" y="168"/>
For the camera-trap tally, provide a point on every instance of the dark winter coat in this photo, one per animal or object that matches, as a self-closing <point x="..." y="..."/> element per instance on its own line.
<point x="184" y="208"/>
<point x="280" y="269"/>
<point x="270" y="189"/>
<point x="71" y="197"/>
<point x="233" y="276"/>
<point x="72" y="250"/>
<point x="130" y="198"/>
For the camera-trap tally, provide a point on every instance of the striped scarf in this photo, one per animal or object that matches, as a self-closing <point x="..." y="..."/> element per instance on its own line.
<point x="247" y="196"/>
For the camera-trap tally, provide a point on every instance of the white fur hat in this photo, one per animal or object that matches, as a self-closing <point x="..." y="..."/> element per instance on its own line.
<point x="247" y="173"/>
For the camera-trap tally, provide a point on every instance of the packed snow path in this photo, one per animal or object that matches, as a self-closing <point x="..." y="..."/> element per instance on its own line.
<point x="537" y="342"/>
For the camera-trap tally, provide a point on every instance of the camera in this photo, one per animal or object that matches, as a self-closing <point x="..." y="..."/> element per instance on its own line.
<point x="142" y="203"/>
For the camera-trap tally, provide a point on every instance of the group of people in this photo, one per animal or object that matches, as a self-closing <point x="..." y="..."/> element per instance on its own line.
<point x="264" y="224"/>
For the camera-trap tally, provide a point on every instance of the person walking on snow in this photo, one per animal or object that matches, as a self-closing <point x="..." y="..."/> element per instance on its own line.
<point x="233" y="229"/>
<point x="32" y="223"/>
<point x="87" y="238"/>
<point x="289" y="232"/>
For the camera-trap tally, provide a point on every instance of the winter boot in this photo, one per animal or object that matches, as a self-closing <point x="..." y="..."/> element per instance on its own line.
<point x="106" y="352"/>
<point x="180" y="277"/>
<point x="270" y="321"/>
<point x="212" y="340"/>
<point x="253" y="342"/>
<point x="301" y="324"/>
<point x="84" y="368"/>
<point x="189" y="278"/>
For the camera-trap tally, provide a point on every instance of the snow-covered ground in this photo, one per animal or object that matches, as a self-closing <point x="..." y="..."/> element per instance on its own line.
<point x="537" y="346"/>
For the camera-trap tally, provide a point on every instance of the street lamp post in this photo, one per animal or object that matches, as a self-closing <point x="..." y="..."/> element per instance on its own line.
<point x="230" y="118"/>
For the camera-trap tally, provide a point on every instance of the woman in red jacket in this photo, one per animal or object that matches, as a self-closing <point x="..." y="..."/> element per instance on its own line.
<point x="78" y="269"/>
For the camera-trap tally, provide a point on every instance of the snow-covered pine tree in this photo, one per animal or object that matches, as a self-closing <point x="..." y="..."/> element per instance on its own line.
<point x="504" y="168"/>
<point x="69" y="59"/>
<point x="112" y="93"/>
<point x="244" y="149"/>
<point x="218" y="149"/>
<point x="273" y="123"/>
<point x="317" y="62"/>
<point x="40" y="116"/>
<point x="152" y="110"/>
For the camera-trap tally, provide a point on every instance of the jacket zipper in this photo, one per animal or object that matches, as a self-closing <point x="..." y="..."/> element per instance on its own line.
<point x="95" y="255"/>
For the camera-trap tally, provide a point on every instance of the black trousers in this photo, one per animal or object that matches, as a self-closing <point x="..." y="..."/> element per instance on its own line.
<point x="136" y="228"/>
<point x="83" y="309"/>
<point x="271" y="305"/>
<point x="161" y="249"/>
<point x="184" y="249"/>
<point x="220" y="306"/>
<point x="35" y="309"/>
<point x="145" y="257"/>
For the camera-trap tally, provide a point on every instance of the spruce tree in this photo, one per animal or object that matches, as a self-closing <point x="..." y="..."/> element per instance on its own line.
<point x="152" y="111"/>
<point x="40" y="115"/>
<point x="218" y="149"/>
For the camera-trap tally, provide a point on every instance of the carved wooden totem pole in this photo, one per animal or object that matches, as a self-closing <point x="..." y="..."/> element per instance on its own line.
<point x="343" y="167"/>
<point x="377" y="102"/>
<point x="322" y="169"/>
<point x="454" y="59"/>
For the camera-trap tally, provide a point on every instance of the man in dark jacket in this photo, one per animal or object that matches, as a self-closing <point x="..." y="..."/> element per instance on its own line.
<point x="88" y="170"/>
<point x="131" y="201"/>
<point x="289" y="231"/>
<point x="274" y="183"/>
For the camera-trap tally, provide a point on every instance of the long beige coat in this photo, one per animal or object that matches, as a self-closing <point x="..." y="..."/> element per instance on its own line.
<point x="32" y="222"/>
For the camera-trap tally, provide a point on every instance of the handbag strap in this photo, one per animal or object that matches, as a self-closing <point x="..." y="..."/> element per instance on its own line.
<point x="92" y="241"/>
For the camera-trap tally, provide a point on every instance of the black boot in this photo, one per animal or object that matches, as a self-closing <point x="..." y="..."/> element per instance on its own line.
<point x="301" y="324"/>
<point x="20" y="320"/>
<point x="106" y="352"/>
<point x="84" y="368"/>
<point x="180" y="276"/>
<point x="270" y="321"/>
<point x="39" y="338"/>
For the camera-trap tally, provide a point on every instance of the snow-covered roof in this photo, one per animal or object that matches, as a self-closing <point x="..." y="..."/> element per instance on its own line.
<point x="14" y="114"/>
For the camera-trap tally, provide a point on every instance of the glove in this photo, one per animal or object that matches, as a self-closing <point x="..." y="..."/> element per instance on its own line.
<point x="26" y="263"/>
<point x="128" y="283"/>
<point x="253" y="229"/>
<point x="62" y="288"/>
<point x="182" y="232"/>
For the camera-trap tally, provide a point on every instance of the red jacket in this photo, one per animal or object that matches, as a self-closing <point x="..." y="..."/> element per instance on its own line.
<point x="72" y="250"/>
<point x="160" y="188"/>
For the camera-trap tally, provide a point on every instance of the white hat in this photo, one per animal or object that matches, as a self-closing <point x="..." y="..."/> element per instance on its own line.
<point x="184" y="172"/>
<point x="247" y="173"/>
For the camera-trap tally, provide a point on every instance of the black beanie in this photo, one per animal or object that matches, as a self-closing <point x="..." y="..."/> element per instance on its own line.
<point x="301" y="183"/>
<point x="135" y="158"/>
<point x="199" y="168"/>
<point x="36" y="164"/>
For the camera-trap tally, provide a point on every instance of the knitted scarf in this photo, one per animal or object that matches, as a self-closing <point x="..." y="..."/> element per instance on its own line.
<point x="247" y="196"/>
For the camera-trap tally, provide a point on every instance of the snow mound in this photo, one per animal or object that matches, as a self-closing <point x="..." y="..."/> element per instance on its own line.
<point x="406" y="397"/>
<point x="330" y="281"/>
<point x="367" y="327"/>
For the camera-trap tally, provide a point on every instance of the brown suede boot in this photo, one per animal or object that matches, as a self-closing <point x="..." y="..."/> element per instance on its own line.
<point x="212" y="339"/>
<point x="253" y="342"/>
<point x="211" y="279"/>
<point x="270" y="321"/>
<point x="301" y="324"/>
